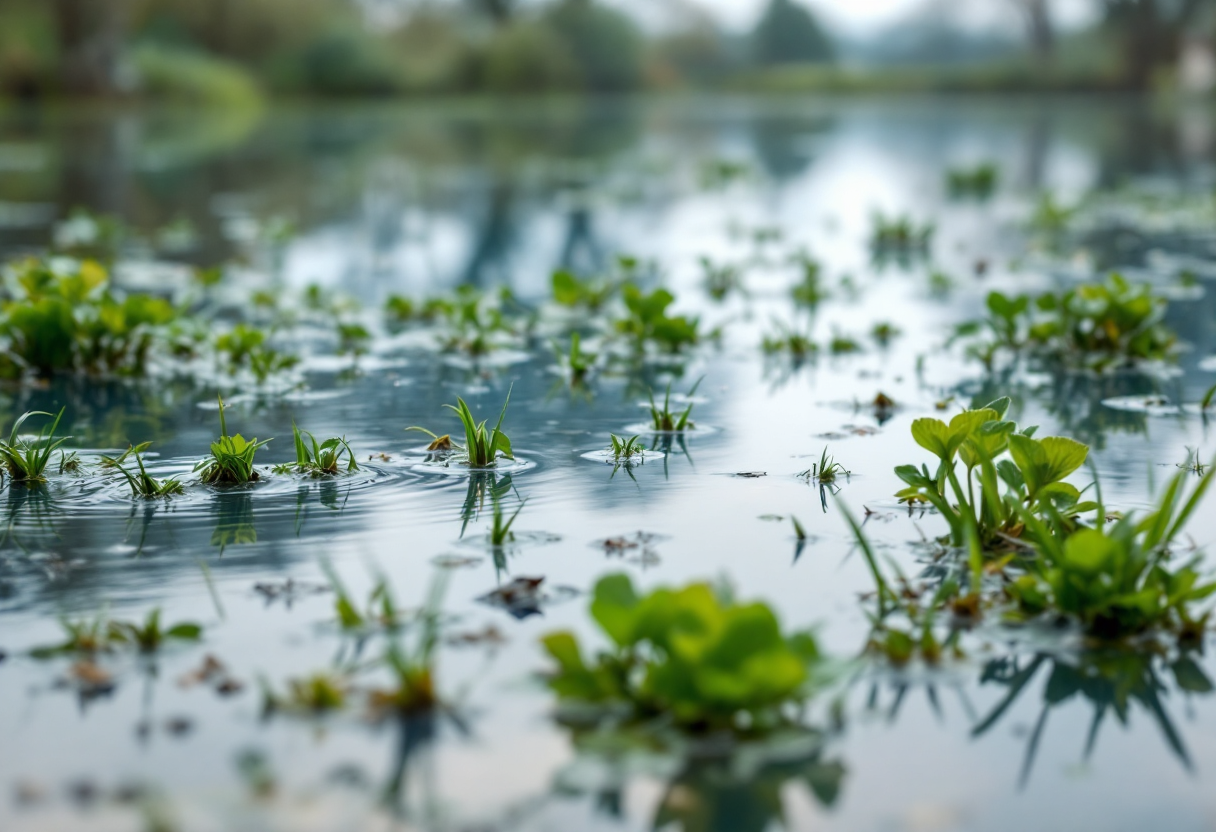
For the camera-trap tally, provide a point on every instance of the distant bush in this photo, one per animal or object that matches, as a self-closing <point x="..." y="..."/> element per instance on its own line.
<point x="192" y="77"/>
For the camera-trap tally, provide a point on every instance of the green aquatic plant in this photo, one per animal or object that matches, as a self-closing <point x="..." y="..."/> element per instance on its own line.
<point x="809" y="291"/>
<point x="692" y="656"/>
<point x="63" y="316"/>
<point x="899" y="235"/>
<point x="245" y="347"/>
<point x="142" y="483"/>
<point x="314" y="694"/>
<point x="1096" y="326"/>
<point x="482" y="447"/>
<point x="885" y="332"/>
<point x="1118" y="580"/>
<point x="380" y="610"/>
<point x="500" y="528"/>
<point x="624" y="450"/>
<point x="231" y="460"/>
<point x="413" y="670"/>
<point x="979" y="181"/>
<point x="786" y="339"/>
<point x="318" y="459"/>
<point x="1030" y="479"/>
<point x="721" y="279"/>
<point x="592" y="294"/>
<point x="647" y="321"/>
<point x="100" y="635"/>
<point x="25" y="459"/>
<point x="69" y="462"/>
<point x="353" y="339"/>
<point x="843" y="345"/>
<point x="576" y="363"/>
<point x="668" y="421"/>
<point x="1051" y="216"/>
<point x="827" y="470"/>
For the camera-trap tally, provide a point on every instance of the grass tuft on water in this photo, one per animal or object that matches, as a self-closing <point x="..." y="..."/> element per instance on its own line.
<point x="318" y="459"/>
<point x="668" y="421"/>
<point x="25" y="459"/>
<point x="142" y="483"/>
<point x="231" y="460"/>
<point x="482" y="447"/>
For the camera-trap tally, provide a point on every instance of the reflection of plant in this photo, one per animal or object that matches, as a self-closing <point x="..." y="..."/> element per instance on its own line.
<point x="25" y="460"/>
<point x="231" y="458"/>
<point x="691" y="655"/>
<point x="1113" y="682"/>
<point x="481" y="447"/>
<point x="234" y="526"/>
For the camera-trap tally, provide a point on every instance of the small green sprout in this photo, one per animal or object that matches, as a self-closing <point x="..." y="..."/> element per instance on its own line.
<point x="827" y="470"/>
<point x="318" y="459"/>
<point x="353" y="339"/>
<point x="231" y="460"/>
<point x="623" y="450"/>
<point x="150" y="635"/>
<point x="787" y="339"/>
<point x="482" y="448"/>
<point x="100" y="635"/>
<point x="665" y="420"/>
<point x="380" y="611"/>
<point x="25" y="460"/>
<point x="69" y="462"/>
<point x="314" y="694"/>
<point x="1192" y="464"/>
<point x="575" y="362"/>
<point x="843" y="345"/>
<point x="572" y="291"/>
<point x="142" y="483"/>
<point x="884" y="333"/>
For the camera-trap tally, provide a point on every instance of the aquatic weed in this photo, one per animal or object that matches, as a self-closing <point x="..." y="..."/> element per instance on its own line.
<point x="665" y="420"/>
<point x="231" y="460"/>
<point x="25" y="460"/>
<point x="142" y="483"/>
<point x="318" y="459"/>
<point x="623" y="450"/>
<point x="482" y="448"/>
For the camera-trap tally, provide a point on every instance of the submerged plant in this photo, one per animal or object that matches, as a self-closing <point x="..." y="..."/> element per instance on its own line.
<point x="231" y="460"/>
<point x="690" y="655"/>
<point x="482" y="447"/>
<point x="668" y="421"/>
<point x="142" y="483"/>
<point x="318" y="459"/>
<point x="25" y="459"/>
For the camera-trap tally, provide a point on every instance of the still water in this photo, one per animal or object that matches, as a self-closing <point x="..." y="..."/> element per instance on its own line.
<point x="418" y="200"/>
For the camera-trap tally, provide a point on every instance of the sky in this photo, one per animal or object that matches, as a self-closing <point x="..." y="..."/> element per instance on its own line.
<point x="861" y="17"/>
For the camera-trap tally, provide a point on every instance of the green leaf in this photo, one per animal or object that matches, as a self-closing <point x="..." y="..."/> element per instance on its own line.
<point x="614" y="607"/>
<point x="185" y="632"/>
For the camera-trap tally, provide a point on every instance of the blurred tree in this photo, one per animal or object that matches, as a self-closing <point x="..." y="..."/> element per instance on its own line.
<point x="1039" y="28"/>
<point x="499" y="11"/>
<point x="605" y="44"/>
<point x="91" y="35"/>
<point x="1150" y="33"/>
<point x="788" y="33"/>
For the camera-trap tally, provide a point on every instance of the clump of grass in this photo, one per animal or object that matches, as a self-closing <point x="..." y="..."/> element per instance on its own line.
<point x="978" y="182"/>
<point x="665" y="419"/>
<point x="141" y="482"/>
<point x="647" y="321"/>
<point x="245" y="347"/>
<point x="900" y="235"/>
<point x="315" y="694"/>
<point x="231" y="460"/>
<point x="25" y="460"/>
<point x="843" y="345"/>
<point x="786" y="339"/>
<point x="884" y="333"/>
<point x="826" y="470"/>
<point x="482" y="447"/>
<point x="101" y="635"/>
<point x="669" y="656"/>
<point x="318" y="459"/>
<point x="624" y="450"/>
<point x="69" y="462"/>
<point x="592" y="294"/>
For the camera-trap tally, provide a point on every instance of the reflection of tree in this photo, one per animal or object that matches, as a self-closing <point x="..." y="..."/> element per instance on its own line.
<point x="1113" y="682"/>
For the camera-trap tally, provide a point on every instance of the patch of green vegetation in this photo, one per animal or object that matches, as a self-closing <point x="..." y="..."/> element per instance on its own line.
<point x="315" y="694"/>
<point x="591" y="294"/>
<point x="647" y="321"/>
<point x="1050" y="216"/>
<point x="318" y="459"/>
<point x="826" y="470"/>
<point x="380" y="611"/>
<point x="500" y="527"/>
<point x="843" y="344"/>
<point x="100" y="635"/>
<point x="809" y="291"/>
<point x="576" y="364"/>
<point x="1117" y="580"/>
<point x="1032" y="476"/>
<point x="244" y="347"/>
<point x="721" y="279"/>
<point x="141" y="482"/>
<point x="25" y="459"/>
<point x="900" y="235"/>
<point x="715" y="174"/>
<point x="482" y="447"/>
<point x="976" y="182"/>
<point x="885" y="332"/>
<point x="353" y="339"/>
<point x="784" y="338"/>
<point x="668" y="421"/>
<point x="624" y="450"/>
<point x="231" y="460"/>
<point x="691" y="655"/>
<point x="62" y="316"/>
<point x="1096" y="326"/>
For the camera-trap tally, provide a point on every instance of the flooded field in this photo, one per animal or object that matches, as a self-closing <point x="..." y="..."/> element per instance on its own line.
<point x="353" y="638"/>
